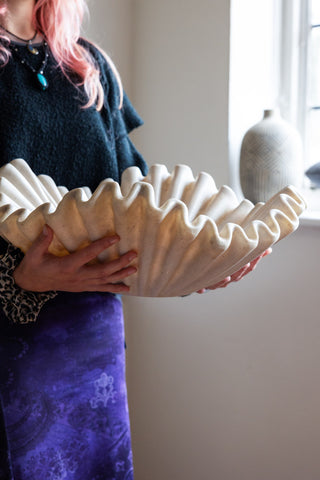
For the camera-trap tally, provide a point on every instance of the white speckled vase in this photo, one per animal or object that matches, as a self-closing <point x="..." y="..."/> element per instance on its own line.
<point x="270" y="158"/>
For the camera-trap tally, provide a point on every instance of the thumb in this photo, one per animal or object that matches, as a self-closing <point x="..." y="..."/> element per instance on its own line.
<point x="42" y="242"/>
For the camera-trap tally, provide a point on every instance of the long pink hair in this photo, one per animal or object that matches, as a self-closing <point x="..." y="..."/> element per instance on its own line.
<point x="60" y="22"/>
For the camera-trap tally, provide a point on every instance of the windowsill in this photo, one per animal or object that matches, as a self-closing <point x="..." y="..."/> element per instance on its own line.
<point x="311" y="217"/>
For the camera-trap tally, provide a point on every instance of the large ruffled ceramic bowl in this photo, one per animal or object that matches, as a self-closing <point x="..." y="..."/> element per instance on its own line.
<point x="188" y="234"/>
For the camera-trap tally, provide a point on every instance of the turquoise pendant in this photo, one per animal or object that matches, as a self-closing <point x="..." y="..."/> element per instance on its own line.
<point x="43" y="82"/>
<point x="32" y="49"/>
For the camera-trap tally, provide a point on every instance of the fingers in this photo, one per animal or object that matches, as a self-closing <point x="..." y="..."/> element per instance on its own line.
<point x="40" y="271"/>
<point x="114" y="270"/>
<point x="103" y="281"/>
<point x="249" y="267"/>
<point x="114" y="288"/>
<point x="235" y="277"/>
<point x="104" y="278"/>
<point x="108" y="276"/>
<point x="222" y="284"/>
<point x="41" y="244"/>
<point x="203" y="290"/>
<point x="254" y="262"/>
<point x="91" y="252"/>
<point x="121" y="274"/>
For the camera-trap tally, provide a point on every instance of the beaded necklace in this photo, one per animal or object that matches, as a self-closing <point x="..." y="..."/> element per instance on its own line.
<point x="42" y="81"/>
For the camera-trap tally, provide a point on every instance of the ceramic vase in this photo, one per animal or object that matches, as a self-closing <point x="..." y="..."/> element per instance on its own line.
<point x="270" y="158"/>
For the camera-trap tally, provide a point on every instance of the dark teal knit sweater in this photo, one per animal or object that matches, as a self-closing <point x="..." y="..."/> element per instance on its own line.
<point x="54" y="135"/>
<point x="57" y="137"/>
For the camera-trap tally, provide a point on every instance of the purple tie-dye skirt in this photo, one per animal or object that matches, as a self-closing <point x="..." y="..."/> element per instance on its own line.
<point x="63" y="411"/>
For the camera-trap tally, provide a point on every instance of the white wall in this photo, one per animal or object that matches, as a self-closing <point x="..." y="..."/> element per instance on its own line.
<point x="180" y="82"/>
<point x="223" y="386"/>
<point x="110" y="25"/>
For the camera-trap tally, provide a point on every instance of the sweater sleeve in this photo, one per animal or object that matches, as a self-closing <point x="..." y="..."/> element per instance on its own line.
<point x="120" y="120"/>
<point x="124" y="119"/>
<point x="20" y="306"/>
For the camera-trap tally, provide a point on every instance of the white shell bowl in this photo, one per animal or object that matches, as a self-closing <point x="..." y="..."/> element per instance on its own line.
<point x="188" y="234"/>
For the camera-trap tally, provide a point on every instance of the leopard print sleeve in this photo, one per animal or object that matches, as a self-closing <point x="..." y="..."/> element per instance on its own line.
<point x="20" y="306"/>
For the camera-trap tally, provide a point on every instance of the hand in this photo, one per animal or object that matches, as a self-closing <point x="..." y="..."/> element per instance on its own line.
<point x="40" y="271"/>
<point x="235" y="277"/>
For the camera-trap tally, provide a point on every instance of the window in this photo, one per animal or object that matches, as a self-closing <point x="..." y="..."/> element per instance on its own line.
<point x="299" y="88"/>
<point x="280" y="68"/>
<point x="312" y="137"/>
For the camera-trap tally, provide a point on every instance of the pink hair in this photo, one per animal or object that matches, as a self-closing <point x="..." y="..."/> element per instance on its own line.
<point x="60" y="22"/>
<point x="4" y="52"/>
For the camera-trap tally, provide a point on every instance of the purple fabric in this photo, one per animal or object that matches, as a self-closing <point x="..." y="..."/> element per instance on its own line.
<point x="63" y="389"/>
